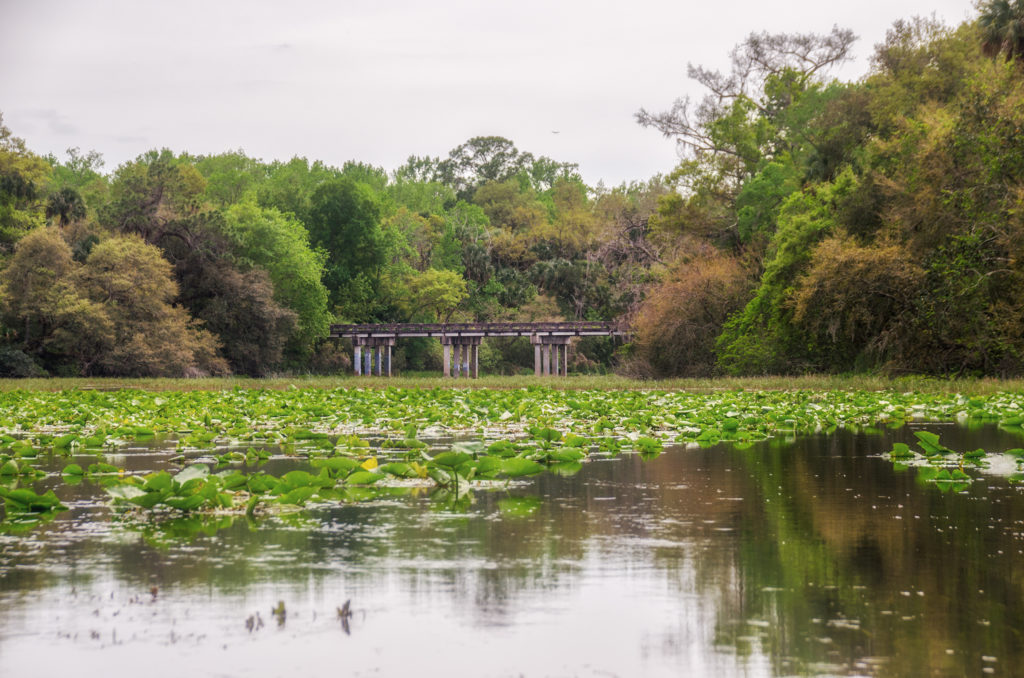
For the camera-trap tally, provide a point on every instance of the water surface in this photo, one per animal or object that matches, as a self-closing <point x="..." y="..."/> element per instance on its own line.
<point x="807" y="557"/>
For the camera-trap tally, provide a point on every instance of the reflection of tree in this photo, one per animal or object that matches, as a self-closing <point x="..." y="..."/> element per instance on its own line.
<point x="843" y="548"/>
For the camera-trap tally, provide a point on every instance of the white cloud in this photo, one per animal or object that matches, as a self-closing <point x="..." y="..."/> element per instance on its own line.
<point x="378" y="82"/>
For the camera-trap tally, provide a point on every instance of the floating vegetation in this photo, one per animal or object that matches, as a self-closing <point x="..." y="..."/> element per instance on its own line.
<point x="936" y="463"/>
<point x="357" y="445"/>
<point x="329" y="418"/>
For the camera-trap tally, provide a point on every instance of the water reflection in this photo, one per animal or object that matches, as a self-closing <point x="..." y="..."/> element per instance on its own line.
<point x="808" y="557"/>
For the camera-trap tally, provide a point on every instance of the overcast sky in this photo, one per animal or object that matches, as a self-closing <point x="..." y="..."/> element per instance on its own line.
<point x="338" y="80"/>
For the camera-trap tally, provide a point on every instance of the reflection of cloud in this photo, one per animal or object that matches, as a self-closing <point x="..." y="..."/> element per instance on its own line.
<point x="54" y="121"/>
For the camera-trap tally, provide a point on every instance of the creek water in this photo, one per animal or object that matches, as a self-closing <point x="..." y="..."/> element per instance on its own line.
<point x="807" y="557"/>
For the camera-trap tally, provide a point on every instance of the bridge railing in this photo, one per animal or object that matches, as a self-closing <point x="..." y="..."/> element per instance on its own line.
<point x="577" y="328"/>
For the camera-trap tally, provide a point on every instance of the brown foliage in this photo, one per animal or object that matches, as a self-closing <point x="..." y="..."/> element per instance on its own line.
<point x="678" y="323"/>
<point x="110" y="315"/>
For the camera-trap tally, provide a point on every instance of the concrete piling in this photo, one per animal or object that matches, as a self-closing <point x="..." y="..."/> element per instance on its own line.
<point x="373" y="345"/>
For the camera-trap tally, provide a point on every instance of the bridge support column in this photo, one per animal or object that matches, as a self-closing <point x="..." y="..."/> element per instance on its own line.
<point x="461" y="356"/>
<point x="550" y="352"/>
<point x="372" y="355"/>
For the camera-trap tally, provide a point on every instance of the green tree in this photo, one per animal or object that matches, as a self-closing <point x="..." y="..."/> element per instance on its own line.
<point x="434" y="294"/>
<point x="279" y="244"/>
<point x="65" y="205"/>
<point x="1002" y="28"/>
<point x="289" y="186"/>
<point x="344" y="221"/>
<point x="81" y="172"/>
<point x="40" y="260"/>
<point x="230" y="176"/>
<point x="23" y="176"/>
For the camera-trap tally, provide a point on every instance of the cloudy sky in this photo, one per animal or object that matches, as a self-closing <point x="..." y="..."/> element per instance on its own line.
<point x="338" y="80"/>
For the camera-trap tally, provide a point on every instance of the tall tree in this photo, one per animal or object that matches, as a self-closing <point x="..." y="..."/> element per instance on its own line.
<point x="344" y="220"/>
<point x="23" y="175"/>
<point x="65" y="205"/>
<point x="1002" y="28"/>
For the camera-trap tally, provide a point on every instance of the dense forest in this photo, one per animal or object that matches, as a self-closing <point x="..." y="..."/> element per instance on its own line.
<point x="812" y="225"/>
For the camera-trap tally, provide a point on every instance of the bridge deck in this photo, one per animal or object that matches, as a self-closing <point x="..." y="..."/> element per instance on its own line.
<point x="551" y="329"/>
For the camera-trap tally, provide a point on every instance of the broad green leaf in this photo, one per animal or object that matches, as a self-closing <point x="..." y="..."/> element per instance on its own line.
<point x="363" y="478"/>
<point x="517" y="467"/>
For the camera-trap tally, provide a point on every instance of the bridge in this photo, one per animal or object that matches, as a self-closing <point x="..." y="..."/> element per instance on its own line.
<point x="372" y="344"/>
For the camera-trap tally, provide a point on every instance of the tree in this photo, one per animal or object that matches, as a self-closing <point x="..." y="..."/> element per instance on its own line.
<point x="1002" y="28"/>
<point x="158" y="197"/>
<point x="344" y="220"/>
<point x="22" y="177"/>
<point x="135" y="288"/>
<point x="853" y="302"/>
<point x="110" y="315"/>
<point x="239" y="307"/>
<point x="491" y="159"/>
<point x="66" y="205"/>
<point x="80" y="172"/>
<point x="229" y="176"/>
<point x="289" y="186"/>
<point x="40" y="260"/>
<point x="279" y="244"/>
<point x="679" y="321"/>
<point x="509" y="207"/>
<point x="761" y="57"/>
<point x="435" y="294"/>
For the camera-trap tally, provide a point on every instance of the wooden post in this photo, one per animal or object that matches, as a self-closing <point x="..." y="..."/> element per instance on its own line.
<point x="536" y="360"/>
<point x="358" y="361"/>
<point x="476" y="361"/>
<point x="387" y="360"/>
<point x="547" y="359"/>
<point x="367" y="358"/>
<point x="447" y="349"/>
<point x="377" y="351"/>
<point x="467" y="349"/>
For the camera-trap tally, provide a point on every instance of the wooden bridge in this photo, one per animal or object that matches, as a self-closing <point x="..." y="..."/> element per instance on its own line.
<point x="372" y="344"/>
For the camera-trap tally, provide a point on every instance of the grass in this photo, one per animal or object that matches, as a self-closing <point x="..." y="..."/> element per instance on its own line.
<point x="582" y="382"/>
